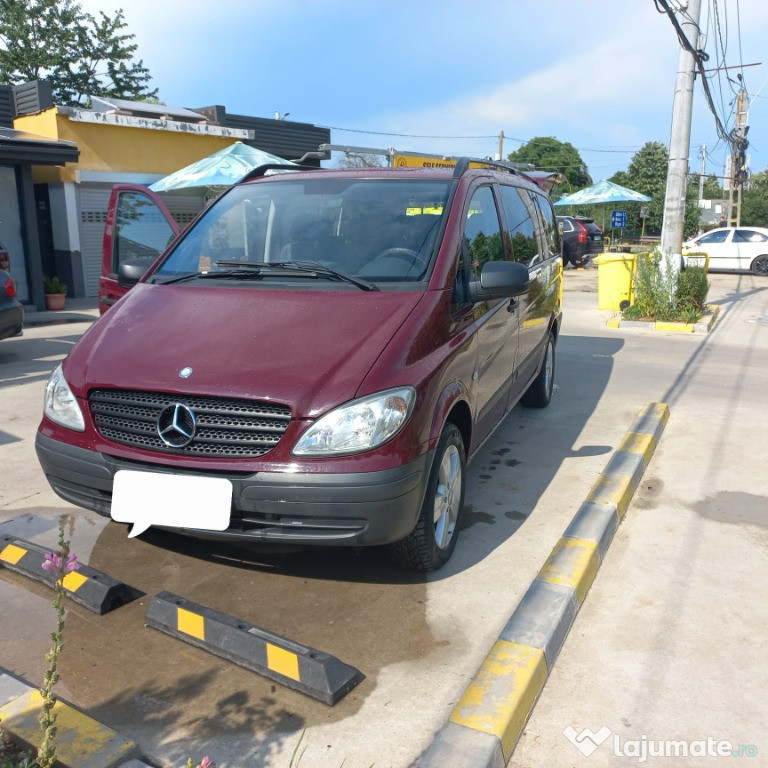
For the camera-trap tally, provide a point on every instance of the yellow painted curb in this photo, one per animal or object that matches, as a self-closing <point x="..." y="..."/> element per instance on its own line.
<point x="572" y="563"/>
<point x="638" y="442"/>
<point x="655" y="410"/>
<point x="80" y="740"/>
<point x="668" y="327"/>
<point x="501" y="697"/>
<point x="674" y="327"/>
<point x="612" y="489"/>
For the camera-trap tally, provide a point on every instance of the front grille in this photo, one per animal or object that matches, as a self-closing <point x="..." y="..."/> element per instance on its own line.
<point x="224" y="427"/>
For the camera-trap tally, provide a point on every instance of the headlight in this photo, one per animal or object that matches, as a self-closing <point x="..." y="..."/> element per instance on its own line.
<point x="358" y="426"/>
<point x="61" y="405"/>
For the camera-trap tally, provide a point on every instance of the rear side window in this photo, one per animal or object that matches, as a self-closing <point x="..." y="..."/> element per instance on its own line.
<point x="749" y="236"/>
<point x="549" y="226"/>
<point x="521" y="228"/>
<point x="482" y="230"/>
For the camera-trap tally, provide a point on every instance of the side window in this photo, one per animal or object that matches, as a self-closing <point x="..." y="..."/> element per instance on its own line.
<point x="482" y="231"/>
<point x="140" y="229"/>
<point x="748" y="236"/>
<point x="551" y="232"/>
<point x="716" y="236"/>
<point x="521" y="229"/>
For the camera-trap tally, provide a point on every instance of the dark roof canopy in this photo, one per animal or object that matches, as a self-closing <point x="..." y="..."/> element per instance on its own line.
<point x="22" y="147"/>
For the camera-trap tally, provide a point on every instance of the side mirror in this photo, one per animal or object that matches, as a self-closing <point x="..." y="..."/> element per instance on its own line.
<point x="500" y="280"/>
<point x="132" y="270"/>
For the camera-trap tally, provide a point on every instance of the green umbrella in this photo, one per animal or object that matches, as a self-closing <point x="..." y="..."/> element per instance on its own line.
<point x="603" y="192"/>
<point x="217" y="171"/>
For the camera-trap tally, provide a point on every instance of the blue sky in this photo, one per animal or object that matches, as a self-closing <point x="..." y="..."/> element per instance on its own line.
<point x="599" y="74"/>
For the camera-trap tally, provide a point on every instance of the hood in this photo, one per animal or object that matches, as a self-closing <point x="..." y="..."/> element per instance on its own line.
<point x="308" y="349"/>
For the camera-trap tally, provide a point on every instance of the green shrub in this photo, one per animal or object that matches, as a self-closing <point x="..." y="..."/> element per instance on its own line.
<point x="54" y="285"/>
<point x="692" y="289"/>
<point x="654" y="298"/>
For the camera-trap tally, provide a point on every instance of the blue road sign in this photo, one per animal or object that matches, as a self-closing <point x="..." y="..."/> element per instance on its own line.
<point x="618" y="219"/>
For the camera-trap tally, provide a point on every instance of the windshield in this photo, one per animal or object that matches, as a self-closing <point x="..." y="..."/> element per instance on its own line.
<point x="380" y="230"/>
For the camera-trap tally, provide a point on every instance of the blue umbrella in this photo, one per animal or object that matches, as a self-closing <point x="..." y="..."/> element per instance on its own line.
<point x="603" y="192"/>
<point x="219" y="170"/>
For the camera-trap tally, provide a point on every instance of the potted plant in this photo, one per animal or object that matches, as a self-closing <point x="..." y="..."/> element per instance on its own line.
<point x="55" y="293"/>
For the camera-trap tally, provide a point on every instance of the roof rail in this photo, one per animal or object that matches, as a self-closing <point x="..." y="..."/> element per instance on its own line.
<point x="262" y="169"/>
<point x="463" y="164"/>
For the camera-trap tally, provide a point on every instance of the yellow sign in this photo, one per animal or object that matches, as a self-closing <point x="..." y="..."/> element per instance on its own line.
<point x="416" y="161"/>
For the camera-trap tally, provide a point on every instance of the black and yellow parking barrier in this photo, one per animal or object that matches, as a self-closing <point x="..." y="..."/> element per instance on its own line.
<point x="86" y="586"/>
<point x="304" y="669"/>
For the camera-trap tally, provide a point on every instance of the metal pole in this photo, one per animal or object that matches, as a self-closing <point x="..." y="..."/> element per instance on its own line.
<point x="680" y="140"/>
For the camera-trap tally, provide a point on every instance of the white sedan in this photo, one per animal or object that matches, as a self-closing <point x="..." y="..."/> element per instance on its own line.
<point x="731" y="248"/>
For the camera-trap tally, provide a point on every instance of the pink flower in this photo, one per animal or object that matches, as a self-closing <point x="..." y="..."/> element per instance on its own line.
<point x="206" y="762"/>
<point x="52" y="562"/>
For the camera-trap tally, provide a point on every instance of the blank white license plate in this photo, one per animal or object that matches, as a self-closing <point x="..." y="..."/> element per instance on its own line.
<point x="176" y="501"/>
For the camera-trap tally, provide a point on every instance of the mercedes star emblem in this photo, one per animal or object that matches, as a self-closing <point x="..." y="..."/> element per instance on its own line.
<point x="185" y="373"/>
<point x="176" y="425"/>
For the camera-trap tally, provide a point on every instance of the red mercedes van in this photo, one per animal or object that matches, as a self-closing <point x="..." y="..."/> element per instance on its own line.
<point x="314" y="359"/>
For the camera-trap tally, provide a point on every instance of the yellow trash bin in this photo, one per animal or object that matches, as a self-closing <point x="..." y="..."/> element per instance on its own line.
<point x="615" y="280"/>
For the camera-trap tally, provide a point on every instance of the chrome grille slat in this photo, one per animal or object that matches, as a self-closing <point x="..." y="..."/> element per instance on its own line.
<point x="225" y="426"/>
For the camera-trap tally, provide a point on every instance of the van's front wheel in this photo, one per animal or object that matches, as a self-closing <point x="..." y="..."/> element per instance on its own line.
<point x="431" y="543"/>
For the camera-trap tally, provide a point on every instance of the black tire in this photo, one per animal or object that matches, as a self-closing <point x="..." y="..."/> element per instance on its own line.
<point x="760" y="265"/>
<point x="581" y="261"/>
<point x="430" y="544"/>
<point x="539" y="393"/>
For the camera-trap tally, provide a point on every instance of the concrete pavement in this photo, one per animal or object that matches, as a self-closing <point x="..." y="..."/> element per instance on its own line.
<point x="666" y="645"/>
<point x="665" y="664"/>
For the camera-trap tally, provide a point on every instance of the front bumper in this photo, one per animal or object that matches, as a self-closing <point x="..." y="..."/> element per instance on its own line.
<point x="11" y="321"/>
<point x="341" y="509"/>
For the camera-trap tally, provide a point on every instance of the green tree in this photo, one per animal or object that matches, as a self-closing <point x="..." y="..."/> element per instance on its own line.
<point x="548" y="154"/>
<point x="758" y="182"/>
<point x="77" y="53"/>
<point x="754" y="202"/>
<point x="712" y="189"/>
<point x="647" y="173"/>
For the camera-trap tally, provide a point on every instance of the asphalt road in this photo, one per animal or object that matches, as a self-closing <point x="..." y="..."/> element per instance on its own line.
<point x="419" y="640"/>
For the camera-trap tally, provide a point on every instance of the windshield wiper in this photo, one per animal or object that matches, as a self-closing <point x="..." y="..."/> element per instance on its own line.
<point x="300" y="268"/>
<point x="219" y="274"/>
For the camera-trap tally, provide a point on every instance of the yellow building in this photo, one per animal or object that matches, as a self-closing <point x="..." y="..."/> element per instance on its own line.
<point x="115" y="147"/>
<point x="129" y="142"/>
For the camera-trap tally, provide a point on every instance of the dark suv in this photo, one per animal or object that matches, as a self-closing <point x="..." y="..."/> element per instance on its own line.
<point x="582" y="239"/>
<point x="314" y="360"/>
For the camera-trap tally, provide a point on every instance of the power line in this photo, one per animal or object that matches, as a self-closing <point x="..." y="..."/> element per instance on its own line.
<point x="528" y="142"/>
<point x="699" y="57"/>
<point x="404" y="135"/>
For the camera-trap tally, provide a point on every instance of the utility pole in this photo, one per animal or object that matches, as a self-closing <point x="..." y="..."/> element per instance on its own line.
<point x="680" y="140"/>
<point x="739" y="172"/>
<point x="501" y="146"/>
